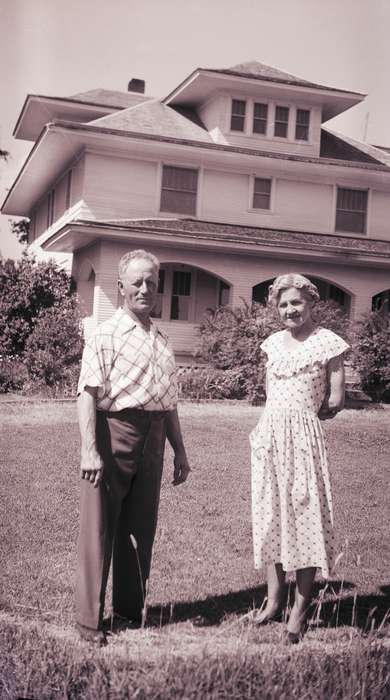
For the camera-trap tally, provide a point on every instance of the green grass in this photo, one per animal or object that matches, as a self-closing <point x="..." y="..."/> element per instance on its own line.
<point x="202" y="580"/>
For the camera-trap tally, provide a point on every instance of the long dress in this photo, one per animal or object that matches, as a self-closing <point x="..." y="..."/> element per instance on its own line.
<point x="292" y="513"/>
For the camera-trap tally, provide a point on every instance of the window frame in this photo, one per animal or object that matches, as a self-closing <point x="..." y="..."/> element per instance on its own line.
<point x="298" y="124"/>
<point x="278" y="121"/>
<point x="171" y="189"/>
<point x="366" y="213"/>
<point x="238" y="115"/>
<point x="272" y="181"/>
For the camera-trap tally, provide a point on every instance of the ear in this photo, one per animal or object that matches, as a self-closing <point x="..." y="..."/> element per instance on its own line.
<point x="120" y="287"/>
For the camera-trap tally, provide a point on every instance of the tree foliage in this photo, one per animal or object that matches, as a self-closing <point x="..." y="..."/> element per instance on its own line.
<point x="21" y="229"/>
<point x="371" y="354"/>
<point x="39" y="319"/>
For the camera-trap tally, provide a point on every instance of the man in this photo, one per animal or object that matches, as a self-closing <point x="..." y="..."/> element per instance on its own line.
<point x="127" y="397"/>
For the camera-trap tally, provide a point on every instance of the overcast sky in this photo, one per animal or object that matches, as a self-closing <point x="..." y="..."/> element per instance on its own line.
<point x="52" y="47"/>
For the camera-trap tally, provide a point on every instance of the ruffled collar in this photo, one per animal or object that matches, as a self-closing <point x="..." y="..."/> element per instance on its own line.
<point x="286" y="362"/>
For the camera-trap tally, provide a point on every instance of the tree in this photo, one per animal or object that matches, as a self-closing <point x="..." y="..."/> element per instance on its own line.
<point x="371" y="354"/>
<point x="40" y="323"/>
<point x="21" y="229"/>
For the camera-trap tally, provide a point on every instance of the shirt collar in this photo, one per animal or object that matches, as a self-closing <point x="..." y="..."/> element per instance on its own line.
<point x="126" y="323"/>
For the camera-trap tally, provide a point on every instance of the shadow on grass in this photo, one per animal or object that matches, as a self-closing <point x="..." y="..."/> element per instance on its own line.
<point x="338" y="607"/>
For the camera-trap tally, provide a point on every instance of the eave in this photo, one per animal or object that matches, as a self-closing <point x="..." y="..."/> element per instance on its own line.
<point x="202" y="84"/>
<point x="222" y="238"/>
<point x="61" y="142"/>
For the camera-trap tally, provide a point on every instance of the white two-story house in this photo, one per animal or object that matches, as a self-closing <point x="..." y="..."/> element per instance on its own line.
<point x="230" y="180"/>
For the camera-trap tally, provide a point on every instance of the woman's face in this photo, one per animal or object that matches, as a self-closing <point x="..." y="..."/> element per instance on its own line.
<point x="294" y="308"/>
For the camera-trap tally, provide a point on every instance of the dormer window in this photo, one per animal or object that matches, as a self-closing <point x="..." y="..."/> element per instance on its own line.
<point x="281" y="122"/>
<point x="178" y="190"/>
<point x="302" y="125"/>
<point x="237" y="122"/>
<point x="260" y="114"/>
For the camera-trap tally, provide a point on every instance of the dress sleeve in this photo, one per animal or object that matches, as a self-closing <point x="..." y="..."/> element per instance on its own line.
<point x="92" y="365"/>
<point x="335" y="345"/>
<point x="267" y="345"/>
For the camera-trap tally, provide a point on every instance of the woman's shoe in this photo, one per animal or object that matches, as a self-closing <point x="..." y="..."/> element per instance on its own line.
<point x="293" y="637"/>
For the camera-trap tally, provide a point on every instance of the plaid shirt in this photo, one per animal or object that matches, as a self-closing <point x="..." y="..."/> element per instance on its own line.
<point x="131" y="367"/>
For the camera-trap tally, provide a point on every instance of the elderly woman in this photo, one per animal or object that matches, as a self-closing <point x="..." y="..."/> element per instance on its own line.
<point x="291" y="496"/>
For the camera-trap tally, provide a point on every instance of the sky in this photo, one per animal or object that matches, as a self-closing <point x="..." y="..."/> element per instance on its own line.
<point x="56" y="48"/>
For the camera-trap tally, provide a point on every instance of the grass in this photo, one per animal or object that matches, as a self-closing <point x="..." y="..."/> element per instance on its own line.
<point x="196" y="643"/>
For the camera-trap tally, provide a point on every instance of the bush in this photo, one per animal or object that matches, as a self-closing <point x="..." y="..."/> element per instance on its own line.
<point x="54" y="347"/>
<point x="13" y="374"/>
<point x="209" y="383"/>
<point x="371" y="354"/>
<point x="231" y="339"/>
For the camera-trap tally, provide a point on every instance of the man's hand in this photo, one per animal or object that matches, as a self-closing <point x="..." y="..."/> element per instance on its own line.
<point x="181" y="468"/>
<point x="91" y="467"/>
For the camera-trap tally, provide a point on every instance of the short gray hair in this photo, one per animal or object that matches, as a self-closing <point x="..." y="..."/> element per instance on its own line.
<point x="283" y="282"/>
<point x="138" y="254"/>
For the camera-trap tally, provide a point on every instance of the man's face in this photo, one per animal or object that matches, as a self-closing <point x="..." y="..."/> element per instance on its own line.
<point x="138" y="287"/>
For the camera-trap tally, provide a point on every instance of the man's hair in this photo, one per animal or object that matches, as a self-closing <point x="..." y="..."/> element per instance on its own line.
<point x="139" y="254"/>
<point x="283" y="282"/>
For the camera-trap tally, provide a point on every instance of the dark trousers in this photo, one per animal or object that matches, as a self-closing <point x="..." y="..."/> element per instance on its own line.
<point x="131" y="443"/>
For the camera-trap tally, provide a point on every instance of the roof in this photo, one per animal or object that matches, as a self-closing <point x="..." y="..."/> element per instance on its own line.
<point x="155" y="118"/>
<point x="260" y="71"/>
<point x="109" y="98"/>
<point x="196" y="228"/>
<point x="340" y="147"/>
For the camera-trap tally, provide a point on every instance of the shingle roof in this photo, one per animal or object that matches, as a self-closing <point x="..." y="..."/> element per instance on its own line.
<point x="260" y="71"/>
<point x="380" y="155"/>
<point x="250" y="234"/>
<point x="158" y="119"/>
<point x="340" y="147"/>
<point x="110" y="98"/>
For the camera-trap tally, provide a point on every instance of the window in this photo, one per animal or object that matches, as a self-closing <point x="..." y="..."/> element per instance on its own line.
<point x="260" y="113"/>
<point x="178" y="190"/>
<point x="181" y="290"/>
<point x="281" y="121"/>
<point x="223" y="293"/>
<point x="237" y="122"/>
<point x="157" y="310"/>
<point x="261" y="193"/>
<point x="351" y="210"/>
<point x="302" y="125"/>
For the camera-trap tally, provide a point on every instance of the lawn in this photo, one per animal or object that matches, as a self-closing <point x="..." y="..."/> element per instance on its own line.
<point x="202" y="580"/>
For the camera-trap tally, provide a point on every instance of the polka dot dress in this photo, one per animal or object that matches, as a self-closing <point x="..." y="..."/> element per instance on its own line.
<point x="291" y="497"/>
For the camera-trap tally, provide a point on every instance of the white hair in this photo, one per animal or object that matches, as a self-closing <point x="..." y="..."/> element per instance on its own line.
<point x="138" y="254"/>
<point x="291" y="280"/>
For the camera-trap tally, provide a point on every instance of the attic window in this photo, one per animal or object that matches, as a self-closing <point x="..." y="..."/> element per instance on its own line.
<point x="302" y="125"/>
<point x="351" y="210"/>
<point x="281" y="121"/>
<point x="237" y="122"/>
<point x="178" y="190"/>
<point x="260" y="113"/>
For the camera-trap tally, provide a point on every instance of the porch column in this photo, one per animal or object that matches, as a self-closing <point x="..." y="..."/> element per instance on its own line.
<point x="241" y="291"/>
<point x="360" y="304"/>
<point x="106" y="296"/>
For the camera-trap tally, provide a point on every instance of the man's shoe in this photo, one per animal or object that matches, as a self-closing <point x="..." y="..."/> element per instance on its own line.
<point x="118" y="623"/>
<point x="90" y="635"/>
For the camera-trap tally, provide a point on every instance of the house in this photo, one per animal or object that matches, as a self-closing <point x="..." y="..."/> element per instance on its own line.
<point x="230" y="180"/>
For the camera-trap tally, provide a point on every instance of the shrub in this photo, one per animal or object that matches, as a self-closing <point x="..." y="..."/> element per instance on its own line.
<point x="371" y="354"/>
<point x="54" y="347"/>
<point x="210" y="383"/>
<point x="13" y="374"/>
<point x="231" y="339"/>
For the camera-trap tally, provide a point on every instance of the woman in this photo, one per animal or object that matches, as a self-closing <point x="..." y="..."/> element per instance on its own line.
<point x="291" y="496"/>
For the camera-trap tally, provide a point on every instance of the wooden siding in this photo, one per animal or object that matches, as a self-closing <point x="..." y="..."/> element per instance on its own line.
<point x="119" y="187"/>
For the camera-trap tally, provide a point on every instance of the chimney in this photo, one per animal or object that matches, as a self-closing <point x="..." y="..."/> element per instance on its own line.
<point x="136" y="85"/>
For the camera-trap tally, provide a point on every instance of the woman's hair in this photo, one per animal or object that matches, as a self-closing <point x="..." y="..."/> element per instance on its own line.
<point x="136" y="255"/>
<point x="283" y="282"/>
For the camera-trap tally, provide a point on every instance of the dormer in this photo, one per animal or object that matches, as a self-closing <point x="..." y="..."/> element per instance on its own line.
<point x="255" y="106"/>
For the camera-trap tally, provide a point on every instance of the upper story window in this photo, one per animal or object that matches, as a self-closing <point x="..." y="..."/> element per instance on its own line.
<point x="261" y="193"/>
<point x="260" y="114"/>
<point x="351" y="210"/>
<point x="281" y="121"/>
<point x="178" y="190"/>
<point x="237" y="122"/>
<point x="302" y="125"/>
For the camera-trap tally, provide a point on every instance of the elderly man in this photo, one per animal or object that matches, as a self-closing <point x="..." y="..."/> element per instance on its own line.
<point x="127" y="396"/>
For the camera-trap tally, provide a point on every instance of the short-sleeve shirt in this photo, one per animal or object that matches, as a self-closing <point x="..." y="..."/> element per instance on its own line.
<point x="131" y="367"/>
